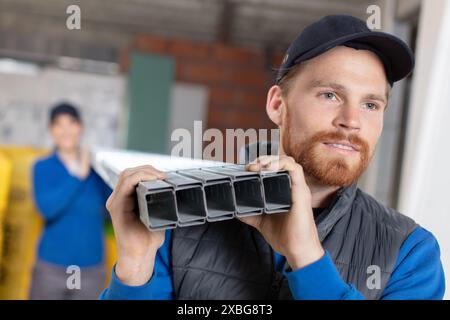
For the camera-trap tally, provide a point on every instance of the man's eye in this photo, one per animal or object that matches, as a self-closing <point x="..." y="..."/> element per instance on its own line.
<point x="329" y="95"/>
<point x="371" y="106"/>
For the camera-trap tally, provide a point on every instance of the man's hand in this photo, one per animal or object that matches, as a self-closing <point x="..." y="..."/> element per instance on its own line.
<point x="136" y="245"/>
<point x="85" y="163"/>
<point x="294" y="235"/>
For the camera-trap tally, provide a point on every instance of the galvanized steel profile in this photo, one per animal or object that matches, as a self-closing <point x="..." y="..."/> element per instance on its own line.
<point x="199" y="192"/>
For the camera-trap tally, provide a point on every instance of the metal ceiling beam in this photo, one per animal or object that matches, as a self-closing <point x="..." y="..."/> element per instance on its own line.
<point x="248" y="23"/>
<point x="225" y="21"/>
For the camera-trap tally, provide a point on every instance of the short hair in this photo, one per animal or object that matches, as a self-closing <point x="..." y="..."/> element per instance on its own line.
<point x="64" y="108"/>
<point x="285" y="83"/>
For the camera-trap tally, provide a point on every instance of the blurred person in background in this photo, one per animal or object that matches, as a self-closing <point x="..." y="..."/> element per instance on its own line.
<point x="71" y="199"/>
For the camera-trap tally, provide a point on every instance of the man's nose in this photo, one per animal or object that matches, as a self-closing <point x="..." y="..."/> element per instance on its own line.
<point x="348" y="118"/>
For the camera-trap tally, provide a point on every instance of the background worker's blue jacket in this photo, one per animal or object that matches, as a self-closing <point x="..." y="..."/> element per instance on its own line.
<point x="74" y="213"/>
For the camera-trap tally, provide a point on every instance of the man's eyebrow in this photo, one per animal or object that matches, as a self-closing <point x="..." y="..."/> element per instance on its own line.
<point x="322" y="84"/>
<point x="377" y="97"/>
<point x="337" y="86"/>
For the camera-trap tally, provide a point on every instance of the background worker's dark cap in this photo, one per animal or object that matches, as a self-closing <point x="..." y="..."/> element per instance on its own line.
<point x="344" y="30"/>
<point x="64" y="108"/>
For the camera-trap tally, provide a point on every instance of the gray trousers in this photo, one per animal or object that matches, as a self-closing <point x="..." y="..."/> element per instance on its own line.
<point x="53" y="282"/>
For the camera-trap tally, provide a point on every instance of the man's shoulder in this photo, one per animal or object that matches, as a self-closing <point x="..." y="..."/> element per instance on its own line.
<point x="383" y="215"/>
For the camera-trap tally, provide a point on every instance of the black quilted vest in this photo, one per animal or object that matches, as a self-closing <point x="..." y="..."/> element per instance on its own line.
<point x="230" y="260"/>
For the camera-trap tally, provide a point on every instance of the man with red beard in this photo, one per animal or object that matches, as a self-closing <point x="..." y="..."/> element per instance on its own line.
<point x="336" y="242"/>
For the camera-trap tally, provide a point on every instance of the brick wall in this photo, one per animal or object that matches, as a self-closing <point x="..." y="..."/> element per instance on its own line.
<point x="237" y="78"/>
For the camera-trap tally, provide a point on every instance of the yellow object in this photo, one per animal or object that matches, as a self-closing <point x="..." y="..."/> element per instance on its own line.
<point x="5" y="178"/>
<point x="110" y="254"/>
<point x="22" y="225"/>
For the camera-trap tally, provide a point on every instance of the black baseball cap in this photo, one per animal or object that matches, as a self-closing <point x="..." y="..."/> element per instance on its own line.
<point x="344" y="30"/>
<point x="64" y="108"/>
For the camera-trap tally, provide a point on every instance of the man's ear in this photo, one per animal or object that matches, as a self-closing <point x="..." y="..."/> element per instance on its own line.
<point x="275" y="104"/>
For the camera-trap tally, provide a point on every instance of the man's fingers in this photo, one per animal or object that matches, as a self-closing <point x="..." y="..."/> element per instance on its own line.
<point x="264" y="160"/>
<point x="129" y="182"/>
<point x="267" y="163"/>
<point x="261" y="162"/>
<point x="278" y="163"/>
<point x="287" y="163"/>
<point x="130" y="171"/>
<point x="253" y="167"/>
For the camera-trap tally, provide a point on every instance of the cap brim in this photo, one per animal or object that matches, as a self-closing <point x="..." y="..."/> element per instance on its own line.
<point x="398" y="53"/>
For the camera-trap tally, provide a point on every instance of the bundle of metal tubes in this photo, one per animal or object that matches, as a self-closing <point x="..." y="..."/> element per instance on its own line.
<point x="195" y="196"/>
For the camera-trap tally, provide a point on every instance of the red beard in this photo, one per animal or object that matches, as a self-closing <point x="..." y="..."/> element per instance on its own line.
<point x="331" y="171"/>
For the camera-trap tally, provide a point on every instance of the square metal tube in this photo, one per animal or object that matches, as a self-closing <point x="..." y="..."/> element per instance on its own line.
<point x="190" y="199"/>
<point x="157" y="205"/>
<point x="247" y="189"/>
<point x="277" y="192"/>
<point x="220" y="202"/>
